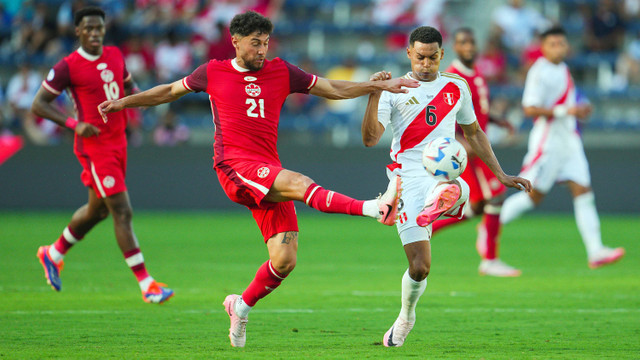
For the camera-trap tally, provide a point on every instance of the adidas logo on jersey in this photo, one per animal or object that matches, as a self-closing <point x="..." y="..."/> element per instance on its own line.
<point x="412" y="101"/>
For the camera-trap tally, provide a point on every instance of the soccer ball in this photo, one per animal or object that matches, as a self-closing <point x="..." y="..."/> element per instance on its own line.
<point x="444" y="158"/>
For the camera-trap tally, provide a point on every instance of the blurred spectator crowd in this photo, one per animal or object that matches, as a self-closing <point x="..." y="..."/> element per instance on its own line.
<point x="163" y="40"/>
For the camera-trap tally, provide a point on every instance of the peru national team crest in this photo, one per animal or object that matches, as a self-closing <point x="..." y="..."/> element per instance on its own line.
<point x="252" y="90"/>
<point x="263" y="172"/>
<point x="448" y="98"/>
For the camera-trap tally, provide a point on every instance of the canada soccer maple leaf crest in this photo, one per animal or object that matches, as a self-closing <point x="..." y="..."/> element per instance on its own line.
<point x="252" y="90"/>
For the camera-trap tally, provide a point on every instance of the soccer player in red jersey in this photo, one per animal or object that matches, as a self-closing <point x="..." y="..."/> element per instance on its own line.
<point x="246" y="95"/>
<point x="92" y="74"/>
<point x="487" y="193"/>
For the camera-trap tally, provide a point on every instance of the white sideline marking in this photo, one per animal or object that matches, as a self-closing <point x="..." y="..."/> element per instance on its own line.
<point x="335" y="310"/>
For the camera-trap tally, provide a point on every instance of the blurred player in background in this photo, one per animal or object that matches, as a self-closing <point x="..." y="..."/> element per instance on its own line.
<point x="555" y="151"/>
<point x="246" y="95"/>
<point x="486" y="192"/>
<point x="424" y="113"/>
<point x="92" y="74"/>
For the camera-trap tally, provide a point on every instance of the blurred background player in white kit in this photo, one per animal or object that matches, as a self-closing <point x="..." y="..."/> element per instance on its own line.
<point x="486" y="193"/>
<point x="555" y="152"/>
<point x="427" y="112"/>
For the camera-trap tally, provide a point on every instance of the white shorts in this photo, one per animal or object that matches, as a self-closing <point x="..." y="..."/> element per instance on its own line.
<point x="414" y="193"/>
<point x="549" y="162"/>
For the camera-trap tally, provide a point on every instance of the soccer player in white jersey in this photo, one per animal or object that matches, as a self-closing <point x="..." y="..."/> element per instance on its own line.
<point x="424" y="113"/>
<point x="555" y="152"/>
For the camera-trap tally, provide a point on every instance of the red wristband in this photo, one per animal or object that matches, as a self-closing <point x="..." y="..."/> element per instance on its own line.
<point x="71" y="123"/>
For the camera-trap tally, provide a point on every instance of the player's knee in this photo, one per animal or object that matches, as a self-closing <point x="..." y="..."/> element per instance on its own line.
<point x="122" y="214"/>
<point x="419" y="270"/>
<point x="301" y="182"/>
<point x="284" y="265"/>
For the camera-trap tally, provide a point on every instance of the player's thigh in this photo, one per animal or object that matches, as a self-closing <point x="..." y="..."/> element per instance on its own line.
<point x="544" y="172"/>
<point x="96" y="206"/>
<point x="288" y="185"/>
<point x="576" y="170"/>
<point x="411" y="202"/>
<point x="247" y="182"/>
<point x="275" y="218"/>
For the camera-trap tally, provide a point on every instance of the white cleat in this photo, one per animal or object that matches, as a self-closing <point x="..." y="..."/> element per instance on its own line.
<point x="398" y="333"/>
<point x="497" y="268"/>
<point x="388" y="202"/>
<point x="238" y="328"/>
<point x="605" y="256"/>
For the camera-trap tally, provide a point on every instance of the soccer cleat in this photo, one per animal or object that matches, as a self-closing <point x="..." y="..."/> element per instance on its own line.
<point x="157" y="293"/>
<point x="51" y="268"/>
<point x="398" y="333"/>
<point x="238" y="327"/>
<point x="443" y="201"/>
<point x="605" y="256"/>
<point x="388" y="203"/>
<point x="497" y="268"/>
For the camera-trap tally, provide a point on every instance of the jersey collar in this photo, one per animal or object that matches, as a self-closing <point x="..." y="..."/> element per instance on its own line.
<point x="235" y="65"/>
<point x="462" y="68"/>
<point x="88" y="56"/>
<point x="410" y="76"/>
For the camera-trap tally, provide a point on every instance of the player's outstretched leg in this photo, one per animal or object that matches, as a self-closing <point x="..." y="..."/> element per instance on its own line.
<point x="384" y="208"/>
<point x="441" y="200"/>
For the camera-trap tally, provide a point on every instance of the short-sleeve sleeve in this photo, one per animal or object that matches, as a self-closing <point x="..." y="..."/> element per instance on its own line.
<point x="300" y="81"/>
<point x="197" y="80"/>
<point x="384" y="109"/>
<point x="533" y="89"/>
<point x="466" y="115"/>
<point x="58" y="78"/>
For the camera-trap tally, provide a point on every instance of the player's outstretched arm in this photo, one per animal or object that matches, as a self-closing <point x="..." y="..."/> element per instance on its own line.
<point x="372" y="130"/>
<point x="340" y="89"/>
<point x="480" y="144"/>
<point x="155" y="96"/>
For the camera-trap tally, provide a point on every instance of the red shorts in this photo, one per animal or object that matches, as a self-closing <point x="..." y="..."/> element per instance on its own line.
<point x="104" y="171"/>
<point x="483" y="184"/>
<point x="247" y="182"/>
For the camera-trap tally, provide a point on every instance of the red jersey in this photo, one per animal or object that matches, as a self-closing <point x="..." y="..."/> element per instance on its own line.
<point x="479" y="90"/>
<point x="246" y="105"/>
<point x="90" y="80"/>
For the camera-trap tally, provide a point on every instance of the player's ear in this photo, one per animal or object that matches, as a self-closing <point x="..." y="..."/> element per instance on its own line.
<point x="409" y="52"/>
<point x="235" y="39"/>
<point x="77" y="31"/>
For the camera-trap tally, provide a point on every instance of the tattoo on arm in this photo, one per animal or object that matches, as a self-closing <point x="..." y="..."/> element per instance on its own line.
<point x="289" y="236"/>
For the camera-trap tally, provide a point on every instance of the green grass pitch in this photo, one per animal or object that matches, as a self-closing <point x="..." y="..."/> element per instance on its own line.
<point x="337" y="304"/>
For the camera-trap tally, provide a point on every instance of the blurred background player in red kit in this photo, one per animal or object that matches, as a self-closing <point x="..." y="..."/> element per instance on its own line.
<point x="91" y="75"/>
<point x="246" y="95"/>
<point x="486" y="192"/>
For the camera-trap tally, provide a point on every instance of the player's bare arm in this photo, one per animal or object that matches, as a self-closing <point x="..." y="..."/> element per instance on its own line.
<point x="42" y="106"/>
<point x="372" y="130"/>
<point x="155" y="96"/>
<point x="581" y="111"/>
<point x="339" y="89"/>
<point x="479" y="142"/>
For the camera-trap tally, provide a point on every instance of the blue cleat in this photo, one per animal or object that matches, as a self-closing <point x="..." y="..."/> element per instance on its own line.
<point x="51" y="268"/>
<point x="157" y="293"/>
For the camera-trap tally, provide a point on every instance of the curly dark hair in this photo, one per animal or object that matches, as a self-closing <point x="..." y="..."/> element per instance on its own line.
<point x="87" y="11"/>
<point x="249" y="22"/>
<point x="555" y="30"/>
<point x="425" y="35"/>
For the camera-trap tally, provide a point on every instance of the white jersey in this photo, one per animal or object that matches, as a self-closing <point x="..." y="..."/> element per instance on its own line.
<point x="549" y="85"/>
<point x="424" y="113"/>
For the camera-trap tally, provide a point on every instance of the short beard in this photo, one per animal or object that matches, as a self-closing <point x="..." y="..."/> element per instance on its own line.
<point x="251" y="67"/>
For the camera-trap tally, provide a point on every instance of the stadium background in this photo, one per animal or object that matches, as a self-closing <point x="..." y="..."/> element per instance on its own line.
<point x="170" y="147"/>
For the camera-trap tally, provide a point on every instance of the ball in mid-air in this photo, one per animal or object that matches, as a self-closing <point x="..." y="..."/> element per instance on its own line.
<point x="444" y="158"/>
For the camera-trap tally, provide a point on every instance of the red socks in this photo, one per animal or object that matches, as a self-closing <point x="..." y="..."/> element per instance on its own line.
<point x="442" y="223"/>
<point x="66" y="241"/>
<point x="331" y="202"/>
<point x="135" y="261"/>
<point x="267" y="279"/>
<point x="488" y="236"/>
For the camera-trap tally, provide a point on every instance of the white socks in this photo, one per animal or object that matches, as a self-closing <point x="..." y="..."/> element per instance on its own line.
<point x="515" y="205"/>
<point x="370" y="209"/>
<point x="241" y="308"/>
<point x="584" y="207"/>
<point x="411" y="292"/>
